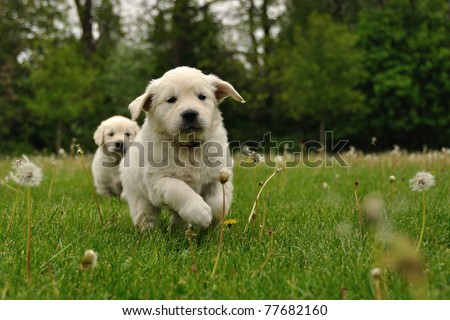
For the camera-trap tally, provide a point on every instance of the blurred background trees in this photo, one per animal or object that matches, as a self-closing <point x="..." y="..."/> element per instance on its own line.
<point x="359" y="68"/>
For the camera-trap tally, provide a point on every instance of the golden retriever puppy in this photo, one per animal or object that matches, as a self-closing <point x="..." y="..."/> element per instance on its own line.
<point x="113" y="137"/>
<point x="175" y="159"/>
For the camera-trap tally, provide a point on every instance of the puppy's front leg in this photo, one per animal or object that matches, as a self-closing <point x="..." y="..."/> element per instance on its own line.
<point x="181" y="198"/>
<point x="213" y="196"/>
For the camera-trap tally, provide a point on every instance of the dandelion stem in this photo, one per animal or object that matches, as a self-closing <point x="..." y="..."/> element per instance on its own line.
<point x="377" y="289"/>
<point x="269" y="254"/>
<point x="137" y="244"/>
<point x="263" y="220"/>
<point x="219" y="249"/>
<point x="29" y="237"/>
<point x="55" y="287"/>
<point x="358" y="208"/>
<point x="422" y="231"/>
<point x="191" y="250"/>
<point x="50" y="188"/>
<point x="257" y="197"/>
<point x="14" y="209"/>
<point x="92" y="186"/>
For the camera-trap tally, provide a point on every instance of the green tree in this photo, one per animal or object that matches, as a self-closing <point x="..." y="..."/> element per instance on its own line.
<point x="320" y="71"/>
<point x="183" y="32"/>
<point x="408" y="58"/>
<point x="61" y="85"/>
<point x="22" y="26"/>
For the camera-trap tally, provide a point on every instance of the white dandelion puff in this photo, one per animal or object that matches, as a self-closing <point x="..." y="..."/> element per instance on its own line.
<point x="392" y="179"/>
<point x="253" y="155"/>
<point x="422" y="181"/>
<point x="89" y="259"/>
<point x="376" y="273"/>
<point x="280" y="162"/>
<point x="26" y="173"/>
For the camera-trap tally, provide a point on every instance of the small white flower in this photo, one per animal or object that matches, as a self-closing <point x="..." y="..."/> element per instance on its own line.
<point x="392" y="179"/>
<point x="422" y="181"/>
<point x="26" y="173"/>
<point x="325" y="185"/>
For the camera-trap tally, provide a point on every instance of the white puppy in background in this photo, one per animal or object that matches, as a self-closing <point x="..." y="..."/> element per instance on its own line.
<point x="113" y="137"/>
<point x="175" y="159"/>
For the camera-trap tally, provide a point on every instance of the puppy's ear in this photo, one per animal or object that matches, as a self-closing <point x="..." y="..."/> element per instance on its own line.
<point x="143" y="102"/>
<point x="224" y="89"/>
<point x="98" y="135"/>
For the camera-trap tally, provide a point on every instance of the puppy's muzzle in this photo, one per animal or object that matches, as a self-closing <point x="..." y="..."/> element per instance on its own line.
<point x="190" y="121"/>
<point x="118" y="146"/>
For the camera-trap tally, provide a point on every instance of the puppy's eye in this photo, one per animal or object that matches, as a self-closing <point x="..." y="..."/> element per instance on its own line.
<point x="171" y="100"/>
<point x="111" y="134"/>
<point x="127" y="134"/>
<point x="201" y="96"/>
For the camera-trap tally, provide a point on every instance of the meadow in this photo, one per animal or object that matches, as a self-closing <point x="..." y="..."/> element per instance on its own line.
<point x="305" y="242"/>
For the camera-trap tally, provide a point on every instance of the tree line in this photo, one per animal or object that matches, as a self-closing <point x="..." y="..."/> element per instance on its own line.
<point x="359" y="68"/>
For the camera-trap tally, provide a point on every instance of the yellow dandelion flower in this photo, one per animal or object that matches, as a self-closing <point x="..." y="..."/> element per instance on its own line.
<point x="229" y="222"/>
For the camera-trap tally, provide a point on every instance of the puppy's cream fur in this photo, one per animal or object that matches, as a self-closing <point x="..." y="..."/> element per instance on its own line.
<point x="151" y="173"/>
<point x="114" y="136"/>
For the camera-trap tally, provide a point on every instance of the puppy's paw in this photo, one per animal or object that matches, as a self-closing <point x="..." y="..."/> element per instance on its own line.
<point x="197" y="212"/>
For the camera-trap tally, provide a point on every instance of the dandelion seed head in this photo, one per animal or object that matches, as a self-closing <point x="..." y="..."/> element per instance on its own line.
<point x="26" y="173"/>
<point x="422" y="181"/>
<point x="279" y="159"/>
<point x="79" y="149"/>
<point x="352" y="153"/>
<point x="89" y="259"/>
<point x="392" y="179"/>
<point x="253" y="155"/>
<point x="373" y="208"/>
<point x="325" y="185"/>
<point x="376" y="273"/>
<point x="224" y="175"/>
<point x="62" y="153"/>
<point x="396" y="151"/>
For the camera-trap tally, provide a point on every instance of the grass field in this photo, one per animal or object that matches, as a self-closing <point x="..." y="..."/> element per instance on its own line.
<point x="311" y="246"/>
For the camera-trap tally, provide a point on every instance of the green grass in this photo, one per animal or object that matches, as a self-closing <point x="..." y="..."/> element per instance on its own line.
<point x="317" y="246"/>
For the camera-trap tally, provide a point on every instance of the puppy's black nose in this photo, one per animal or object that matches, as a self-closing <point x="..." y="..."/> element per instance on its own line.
<point x="189" y="115"/>
<point x="118" y="145"/>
